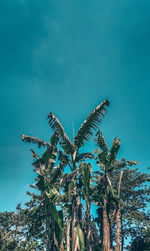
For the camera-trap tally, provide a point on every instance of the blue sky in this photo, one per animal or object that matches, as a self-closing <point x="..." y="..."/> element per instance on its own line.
<point x="66" y="57"/>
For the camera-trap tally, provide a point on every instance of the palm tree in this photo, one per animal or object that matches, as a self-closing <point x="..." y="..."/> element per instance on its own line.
<point x="75" y="191"/>
<point x="71" y="150"/>
<point x="71" y="157"/>
<point x="104" y="192"/>
<point x="47" y="183"/>
<point x="108" y="191"/>
<point x="131" y="196"/>
<point x="85" y="184"/>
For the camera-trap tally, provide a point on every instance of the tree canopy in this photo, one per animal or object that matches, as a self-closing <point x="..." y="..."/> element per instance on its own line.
<point x="68" y="184"/>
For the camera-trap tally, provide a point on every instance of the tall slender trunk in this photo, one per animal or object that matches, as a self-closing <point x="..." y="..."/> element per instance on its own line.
<point x="108" y="234"/>
<point x="62" y="245"/>
<point x="49" y="236"/>
<point x="101" y="227"/>
<point x="75" y="238"/>
<point x="112" y="218"/>
<point x="122" y="238"/>
<point x="118" y="215"/>
<point x="51" y="242"/>
<point x="106" y="229"/>
<point x="118" y="223"/>
<point x="55" y="240"/>
<point x="88" y="227"/>
<point x="68" y="234"/>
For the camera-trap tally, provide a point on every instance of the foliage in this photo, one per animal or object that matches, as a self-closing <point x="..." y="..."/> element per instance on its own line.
<point x="141" y="241"/>
<point x="68" y="184"/>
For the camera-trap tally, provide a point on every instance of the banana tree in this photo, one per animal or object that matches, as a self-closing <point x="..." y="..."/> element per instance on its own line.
<point x="85" y="183"/>
<point x="118" y="176"/>
<point x="71" y="150"/>
<point x="132" y="193"/>
<point x="104" y="192"/>
<point x="109" y="188"/>
<point x="47" y="182"/>
<point x="118" y="215"/>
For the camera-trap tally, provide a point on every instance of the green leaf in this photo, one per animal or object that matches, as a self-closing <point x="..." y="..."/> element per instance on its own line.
<point x="35" y="155"/>
<point x="58" y="229"/>
<point x="132" y="163"/>
<point x="55" y="215"/>
<point x="64" y="159"/>
<point x="57" y="127"/>
<point x="58" y="217"/>
<point x="81" y="238"/>
<point x="100" y="141"/>
<point x="84" y="156"/>
<point x="70" y="191"/>
<point x="49" y="157"/>
<point x="34" y="140"/>
<point x="85" y="170"/>
<point x="54" y="139"/>
<point x="91" y="122"/>
<point x="114" y="150"/>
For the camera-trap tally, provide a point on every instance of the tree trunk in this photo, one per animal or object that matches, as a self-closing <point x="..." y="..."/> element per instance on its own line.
<point x="106" y="230"/>
<point x="101" y="227"/>
<point x="88" y="227"/>
<point x="68" y="234"/>
<point x="51" y="243"/>
<point x="122" y="238"/>
<point x="75" y="239"/>
<point x="62" y="245"/>
<point x="118" y="223"/>
<point x="48" y="230"/>
<point x="122" y="243"/>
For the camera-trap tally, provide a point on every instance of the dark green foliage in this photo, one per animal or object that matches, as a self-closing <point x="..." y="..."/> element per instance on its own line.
<point x="141" y="242"/>
<point x="91" y="122"/>
<point x="57" y="127"/>
<point x="59" y="212"/>
<point x="34" y="140"/>
<point x="129" y="193"/>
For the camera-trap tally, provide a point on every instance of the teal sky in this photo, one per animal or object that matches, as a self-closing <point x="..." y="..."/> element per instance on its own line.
<point x="66" y="57"/>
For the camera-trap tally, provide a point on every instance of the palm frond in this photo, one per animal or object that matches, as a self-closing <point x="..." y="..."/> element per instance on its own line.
<point x="54" y="139"/>
<point x="125" y="162"/>
<point x="81" y="238"/>
<point x="132" y="163"/>
<point x="100" y="141"/>
<point x="64" y="159"/>
<point x="91" y="122"/>
<point x="57" y="127"/>
<point x="39" y="168"/>
<point x="55" y="174"/>
<point x="98" y="151"/>
<point x="114" y="150"/>
<point x="84" y="156"/>
<point x="110" y="184"/>
<point x="85" y="171"/>
<point x="68" y="177"/>
<point x="35" y="155"/>
<point x="102" y="159"/>
<point x="34" y="140"/>
<point x="49" y="157"/>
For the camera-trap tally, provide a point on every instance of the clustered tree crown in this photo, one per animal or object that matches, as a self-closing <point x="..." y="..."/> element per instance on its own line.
<point x="59" y="215"/>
